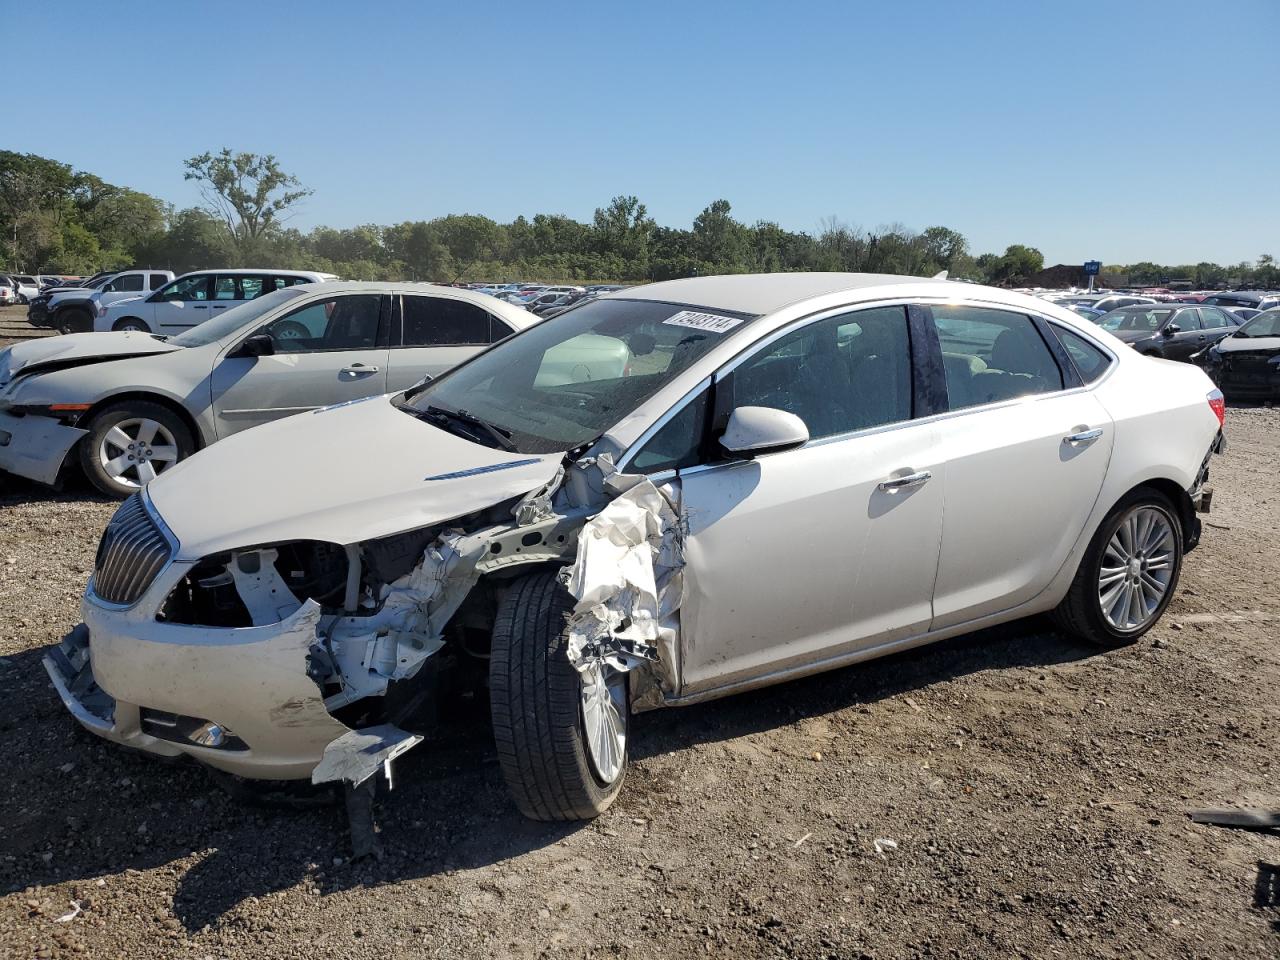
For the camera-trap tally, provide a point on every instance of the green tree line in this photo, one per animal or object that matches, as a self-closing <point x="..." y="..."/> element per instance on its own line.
<point x="54" y="219"/>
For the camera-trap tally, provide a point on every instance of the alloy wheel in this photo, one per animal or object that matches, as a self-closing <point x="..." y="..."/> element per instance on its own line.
<point x="135" y="450"/>
<point x="1137" y="568"/>
<point x="604" y="718"/>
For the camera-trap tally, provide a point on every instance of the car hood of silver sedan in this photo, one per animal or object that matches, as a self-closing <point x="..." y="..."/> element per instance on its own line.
<point x="77" y="349"/>
<point x="343" y="474"/>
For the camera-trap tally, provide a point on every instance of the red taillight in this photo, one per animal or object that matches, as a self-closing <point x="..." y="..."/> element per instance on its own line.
<point x="1218" y="404"/>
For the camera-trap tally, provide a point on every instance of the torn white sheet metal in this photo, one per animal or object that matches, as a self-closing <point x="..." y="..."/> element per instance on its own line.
<point x="536" y="505"/>
<point x="371" y="651"/>
<point x="628" y="581"/>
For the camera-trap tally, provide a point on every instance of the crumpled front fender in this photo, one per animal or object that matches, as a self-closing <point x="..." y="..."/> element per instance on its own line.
<point x="36" y="446"/>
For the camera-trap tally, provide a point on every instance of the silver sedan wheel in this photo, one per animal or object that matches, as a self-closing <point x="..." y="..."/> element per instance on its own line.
<point x="1137" y="568"/>
<point x="604" y="718"/>
<point x="135" y="450"/>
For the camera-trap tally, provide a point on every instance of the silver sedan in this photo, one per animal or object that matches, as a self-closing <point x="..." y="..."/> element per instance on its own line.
<point x="128" y="406"/>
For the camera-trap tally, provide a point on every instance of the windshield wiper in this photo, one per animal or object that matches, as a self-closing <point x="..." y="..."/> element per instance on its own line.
<point x="500" y="437"/>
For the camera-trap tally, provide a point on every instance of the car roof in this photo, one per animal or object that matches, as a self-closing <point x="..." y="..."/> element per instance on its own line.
<point x="516" y="316"/>
<point x="762" y="293"/>
<point x="257" y="270"/>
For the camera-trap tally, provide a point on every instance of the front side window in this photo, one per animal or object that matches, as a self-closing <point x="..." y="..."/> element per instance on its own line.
<point x="188" y="288"/>
<point x="339" y="323"/>
<point x="438" y="321"/>
<point x="563" y="383"/>
<point x="992" y="355"/>
<point x="844" y="373"/>
<point x="1188" y="319"/>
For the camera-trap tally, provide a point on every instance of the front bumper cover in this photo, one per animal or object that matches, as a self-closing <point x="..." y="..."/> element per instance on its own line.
<point x="35" y="447"/>
<point x="122" y="667"/>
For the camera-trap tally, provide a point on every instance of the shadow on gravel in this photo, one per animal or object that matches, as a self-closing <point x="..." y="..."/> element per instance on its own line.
<point x="72" y="488"/>
<point x="76" y="807"/>
<point x="1025" y="643"/>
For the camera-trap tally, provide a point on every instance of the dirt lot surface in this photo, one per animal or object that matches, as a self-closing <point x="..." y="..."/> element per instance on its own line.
<point x="1035" y="789"/>
<point x="14" y="326"/>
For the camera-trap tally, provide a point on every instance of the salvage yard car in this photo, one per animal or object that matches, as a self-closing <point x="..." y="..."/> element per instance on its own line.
<point x="1246" y="364"/>
<point x="129" y="406"/>
<point x="195" y="298"/>
<point x="789" y="473"/>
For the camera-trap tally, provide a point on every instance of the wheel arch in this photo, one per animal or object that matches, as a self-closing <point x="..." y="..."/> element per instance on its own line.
<point x="197" y="435"/>
<point x="119" y="320"/>
<point x="1182" y="503"/>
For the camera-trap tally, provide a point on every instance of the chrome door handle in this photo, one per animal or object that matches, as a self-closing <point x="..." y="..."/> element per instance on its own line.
<point x="1084" y="436"/>
<point x="900" y="483"/>
<point x="358" y="370"/>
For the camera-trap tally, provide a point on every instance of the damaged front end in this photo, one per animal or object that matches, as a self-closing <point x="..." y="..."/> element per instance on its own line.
<point x="312" y="659"/>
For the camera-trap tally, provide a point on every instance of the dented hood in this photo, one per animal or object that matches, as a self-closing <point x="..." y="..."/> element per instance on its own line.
<point x="342" y="474"/>
<point x="77" y="349"/>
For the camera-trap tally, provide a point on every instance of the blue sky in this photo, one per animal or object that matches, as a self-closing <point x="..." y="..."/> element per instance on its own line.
<point x="1138" y="129"/>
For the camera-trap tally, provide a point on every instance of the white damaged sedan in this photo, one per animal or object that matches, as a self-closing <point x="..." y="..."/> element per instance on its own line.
<point x="739" y="480"/>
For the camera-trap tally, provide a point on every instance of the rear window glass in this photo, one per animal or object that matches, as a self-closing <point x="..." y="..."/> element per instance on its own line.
<point x="1090" y="361"/>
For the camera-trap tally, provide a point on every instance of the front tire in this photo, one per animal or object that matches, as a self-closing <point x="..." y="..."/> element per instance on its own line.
<point x="1128" y="575"/>
<point x="561" y="735"/>
<point x="130" y="443"/>
<point x="130" y="325"/>
<point x="73" y="320"/>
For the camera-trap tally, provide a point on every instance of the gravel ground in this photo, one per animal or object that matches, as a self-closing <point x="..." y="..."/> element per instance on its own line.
<point x="14" y="326"/>
<point x="1036" y="791"/>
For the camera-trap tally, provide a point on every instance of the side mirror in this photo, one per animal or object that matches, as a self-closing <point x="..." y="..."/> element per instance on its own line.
<point x="1171" y="329"/>
<point x="259" y="345"/>
<point x="753" y="431"/>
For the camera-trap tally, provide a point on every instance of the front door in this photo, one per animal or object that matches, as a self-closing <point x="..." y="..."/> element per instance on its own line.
<point x="1025" y="459"/>
<point x="1190" y="337"/>
<point x="814" y="553"/>
<point x="326" y="352"/>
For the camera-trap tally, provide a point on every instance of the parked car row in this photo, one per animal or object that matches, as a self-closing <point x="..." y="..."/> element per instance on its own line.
<point x="662" y="496"/>
<point x="1238" y="347"/>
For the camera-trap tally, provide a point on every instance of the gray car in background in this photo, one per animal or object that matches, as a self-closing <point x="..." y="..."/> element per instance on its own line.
<point x="127" y="406"/>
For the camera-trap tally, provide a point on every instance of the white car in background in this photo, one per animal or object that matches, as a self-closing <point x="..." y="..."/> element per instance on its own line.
<point x="129" y="406"/>
<point x="28" y="286"/>
<point x="194" y="298"/>
<point x="791" y="473"/>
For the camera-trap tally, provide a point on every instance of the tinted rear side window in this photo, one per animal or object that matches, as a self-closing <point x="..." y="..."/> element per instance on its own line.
<point x="1090" y="361"/>
<point x="992" y="355"/>
<point x="437" y="321"/>
<point x="158" y="280"/>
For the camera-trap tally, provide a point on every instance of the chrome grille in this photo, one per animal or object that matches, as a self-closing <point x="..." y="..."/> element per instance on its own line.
<point x="133" y="551"/>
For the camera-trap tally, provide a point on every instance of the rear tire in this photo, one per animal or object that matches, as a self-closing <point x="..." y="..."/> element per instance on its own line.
<point x="149" y="432"/>
<point x="1128" y="574"/>
<point x="537" y="706"/>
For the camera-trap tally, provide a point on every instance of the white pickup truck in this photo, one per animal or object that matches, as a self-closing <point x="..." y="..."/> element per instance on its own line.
<point x="73" y="310"/>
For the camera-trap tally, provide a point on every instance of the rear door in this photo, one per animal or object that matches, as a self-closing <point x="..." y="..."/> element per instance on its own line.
<point x="1026" y="448"/>
<point x="183" y="304"/>
<point x="432" y="334"/>
<point x="1217" y="323"/>
<point x="326" y="351"/>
